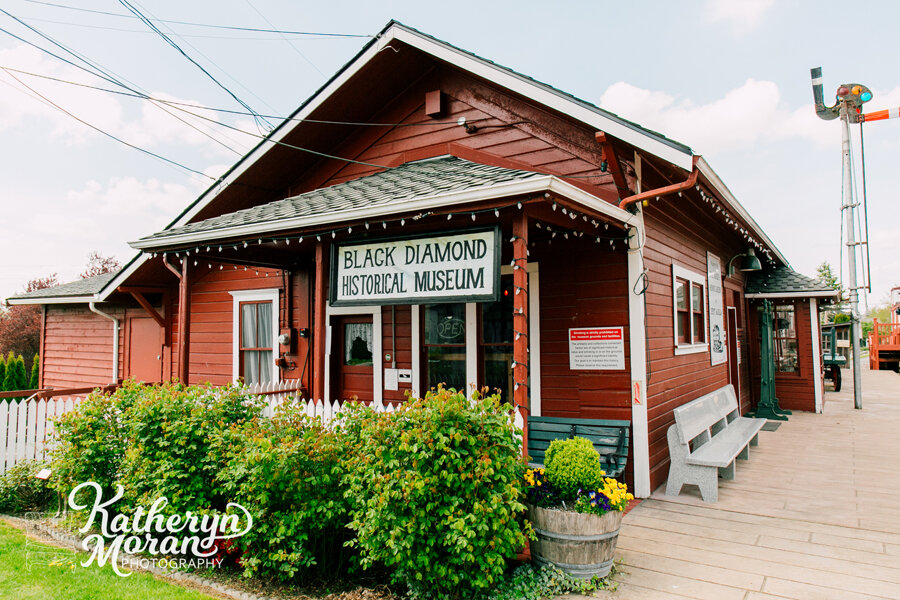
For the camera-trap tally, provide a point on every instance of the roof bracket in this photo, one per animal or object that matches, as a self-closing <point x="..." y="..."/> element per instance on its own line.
<point x="145" y="304"/>
<point x="608" y="155"/>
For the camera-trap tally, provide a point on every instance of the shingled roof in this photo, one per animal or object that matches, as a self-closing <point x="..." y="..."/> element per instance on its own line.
<point x="74" y="289"/>
<point x="784" y="282"/>
<point x="422" y="179"/>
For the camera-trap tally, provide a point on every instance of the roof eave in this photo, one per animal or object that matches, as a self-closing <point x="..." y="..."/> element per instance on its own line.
<point x="533" y="185"/>
<point x="763" y="295"/>
<point x="713" y="178"/>
<point x="52" y="300"/>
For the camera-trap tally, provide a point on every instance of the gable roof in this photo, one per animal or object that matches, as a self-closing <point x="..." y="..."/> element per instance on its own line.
<point x="82" y="290"/>
<point x="419" y="185"/>
<point x="784" y="282"/>
<point x="553" y="98"/>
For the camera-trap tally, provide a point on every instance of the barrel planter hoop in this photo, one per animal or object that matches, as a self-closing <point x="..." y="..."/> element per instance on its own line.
<point x="579" y="544"/>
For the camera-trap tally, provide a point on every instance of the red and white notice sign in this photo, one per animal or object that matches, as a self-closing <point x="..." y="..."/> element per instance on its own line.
<point x="597" y="348"/>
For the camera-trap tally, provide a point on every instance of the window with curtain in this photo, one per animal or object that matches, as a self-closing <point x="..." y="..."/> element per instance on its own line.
<point x="256" y="344"/>
<point x="358" y="344"/>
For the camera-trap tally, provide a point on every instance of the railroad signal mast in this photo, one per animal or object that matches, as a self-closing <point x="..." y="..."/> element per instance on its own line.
<point x="850" y="99"/>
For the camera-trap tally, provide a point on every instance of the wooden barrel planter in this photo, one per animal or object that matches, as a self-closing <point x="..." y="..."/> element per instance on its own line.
<point x="579" y="544"/>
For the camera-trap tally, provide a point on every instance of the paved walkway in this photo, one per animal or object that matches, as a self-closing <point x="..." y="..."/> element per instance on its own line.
<point x="814" y="514"/>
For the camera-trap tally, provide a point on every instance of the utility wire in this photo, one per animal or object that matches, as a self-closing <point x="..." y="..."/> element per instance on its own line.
<point x="207" y="25"/>
<point x="98" y="70"/>
<point x="106" y="133"/>
<point x="297" y="50"/>
<point x="178" y="48"/>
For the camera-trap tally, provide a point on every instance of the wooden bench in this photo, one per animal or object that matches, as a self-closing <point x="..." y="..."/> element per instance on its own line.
<point x="610" y="439"/>
<point x="707" y="437"/>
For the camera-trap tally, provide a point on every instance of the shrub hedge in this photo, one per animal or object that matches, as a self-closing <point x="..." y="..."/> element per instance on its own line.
<point x="21" y="491"/>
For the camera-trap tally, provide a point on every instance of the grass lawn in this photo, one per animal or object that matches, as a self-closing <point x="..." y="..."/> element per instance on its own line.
<point x="62" y="582"/>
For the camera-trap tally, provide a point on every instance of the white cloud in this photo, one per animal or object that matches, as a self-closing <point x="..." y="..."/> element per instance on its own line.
<point x="146" y="125"/>
<point x="741" y="118"/>
<point x="741" y="15"/>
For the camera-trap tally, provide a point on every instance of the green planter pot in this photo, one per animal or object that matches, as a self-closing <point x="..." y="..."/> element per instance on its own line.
<point x="579" y="544"/>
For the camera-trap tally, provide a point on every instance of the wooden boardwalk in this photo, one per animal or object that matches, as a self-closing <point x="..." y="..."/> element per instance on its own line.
<point x="814" y="514"/>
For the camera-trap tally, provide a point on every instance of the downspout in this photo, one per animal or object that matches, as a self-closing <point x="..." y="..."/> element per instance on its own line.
<point x="690" y="182"/>
<point x="115" y="321"/>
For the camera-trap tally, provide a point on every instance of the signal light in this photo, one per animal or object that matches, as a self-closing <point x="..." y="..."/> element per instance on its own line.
<point x="865" y="96"/>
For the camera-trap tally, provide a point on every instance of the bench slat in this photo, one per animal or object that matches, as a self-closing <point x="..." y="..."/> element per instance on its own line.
<point x="723" y="448"/>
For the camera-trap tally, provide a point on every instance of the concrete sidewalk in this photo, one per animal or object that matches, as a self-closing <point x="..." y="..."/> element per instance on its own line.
<point x="814" y="514"/>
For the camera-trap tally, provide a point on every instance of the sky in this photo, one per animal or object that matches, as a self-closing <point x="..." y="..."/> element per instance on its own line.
<point x="730" y="78"/>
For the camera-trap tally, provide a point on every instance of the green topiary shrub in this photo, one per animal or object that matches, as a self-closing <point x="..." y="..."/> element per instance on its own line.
<point x="9" y="378"/>
<point x="288" y="472"/>
<point x="572" y="465"/>
<point x="436" y="492"/>
<point x="21" y="491"/>
<point x="35" y="373"/>
<point x="21" y="376"/>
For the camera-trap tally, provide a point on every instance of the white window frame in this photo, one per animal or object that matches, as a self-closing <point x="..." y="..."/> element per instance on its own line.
<point x="266" y="295"/>
<point x="692" y="277"/>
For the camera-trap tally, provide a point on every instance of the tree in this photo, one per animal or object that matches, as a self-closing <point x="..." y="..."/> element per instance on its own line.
<point x="99" y="265"/>
<point x="827" y="276"/>
<point x="2" y="373"/>
<point x="35" y="373"/>
<point x="9" y="382"/>
<point x="20" y="325"/>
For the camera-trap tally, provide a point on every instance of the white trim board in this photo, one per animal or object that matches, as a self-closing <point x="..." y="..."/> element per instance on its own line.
<point x="798" y="295"/>
<point x="238" y="296"/>
<point x="637" y="337"/>
<point x="817" y="355"/>
<point x="691" y="277"/>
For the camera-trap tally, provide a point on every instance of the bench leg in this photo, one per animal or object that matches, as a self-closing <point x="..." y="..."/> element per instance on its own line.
<point x="745" y="453"/>
<point x="755" y="440"/>
<point x="727" y="472"/>
<point x="709" y="486"/>
<point x="675" y="481"/>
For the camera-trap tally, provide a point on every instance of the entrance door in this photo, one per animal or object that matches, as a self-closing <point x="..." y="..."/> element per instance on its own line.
<point x="351" y="358"/>
<point x="734" y="369"/>
<point x="145" y="350"/>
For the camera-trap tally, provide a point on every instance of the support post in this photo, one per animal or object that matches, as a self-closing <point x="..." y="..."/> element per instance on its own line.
<point x="184" y="324"/>
<point x="320" y="326"/>
<point x="849" y="209"/>
<point x="520" y="322"/>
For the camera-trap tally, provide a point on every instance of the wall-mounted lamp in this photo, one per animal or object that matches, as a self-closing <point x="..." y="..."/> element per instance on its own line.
<point x="749" y="262"/>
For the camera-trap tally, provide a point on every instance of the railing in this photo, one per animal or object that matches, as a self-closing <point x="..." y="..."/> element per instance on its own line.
<point x="884" y="338"/>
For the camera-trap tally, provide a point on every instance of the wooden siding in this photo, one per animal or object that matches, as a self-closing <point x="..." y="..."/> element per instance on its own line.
<point x="681" y="232"/>
<point x="211" y="358"/>
<point x="403" y="346"/>
<point x="78" y="346"/>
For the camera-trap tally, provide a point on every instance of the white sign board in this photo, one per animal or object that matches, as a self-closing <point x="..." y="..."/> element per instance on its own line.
<point x="597" y="348"/>
<point x="463" y="267"/>
<point x="717" y="352"/>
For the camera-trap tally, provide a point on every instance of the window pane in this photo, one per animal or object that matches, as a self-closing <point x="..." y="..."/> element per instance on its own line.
<point x="358" y="344"/>
<point x="497" y="318"/>
<point x="445" y="324"/>
<point x="786" y="355"/>
<point x="784" y="321"/>
<point x="683" y="326"/>
<point x="697" y="298"/>
<point x="699" y="329"/>
<point x="680" y="294"/>
<point x="266" y="365"/>
<point x="251" y="366"/>
<point x="248" y="325"/>
<point x="498" y="370"/>
<point x="264" y="329"/>
<point x="446" y="365"/>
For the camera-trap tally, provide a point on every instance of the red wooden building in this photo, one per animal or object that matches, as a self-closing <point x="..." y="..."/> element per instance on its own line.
<point x="430" y="216"/>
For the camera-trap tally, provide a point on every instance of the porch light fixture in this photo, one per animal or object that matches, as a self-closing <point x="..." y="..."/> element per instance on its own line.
<point x="749" y="262"/>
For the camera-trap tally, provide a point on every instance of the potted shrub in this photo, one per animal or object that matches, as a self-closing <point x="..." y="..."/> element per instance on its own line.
<point x="574" y="509"/>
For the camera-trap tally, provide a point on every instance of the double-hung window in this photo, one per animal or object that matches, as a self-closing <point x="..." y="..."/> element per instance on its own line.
<point x="785" y="339"/>
<point x="255" y="327"/>
<point x="689" y="311"/>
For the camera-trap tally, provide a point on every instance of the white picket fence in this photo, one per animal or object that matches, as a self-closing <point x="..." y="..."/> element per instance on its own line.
<point x="26" y="425"/>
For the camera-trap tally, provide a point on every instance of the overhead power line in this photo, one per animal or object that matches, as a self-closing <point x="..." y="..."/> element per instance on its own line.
<point x="206" y="25"/>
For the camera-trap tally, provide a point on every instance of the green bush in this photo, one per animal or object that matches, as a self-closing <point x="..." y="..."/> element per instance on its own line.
<point x="288" y="472"/>
<point x="572" y="465"/>
<point x="21" y="491"/>
<point x="436" y="492"/>
<point x="90" y="440"/>
<point x="172" y="432"/>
